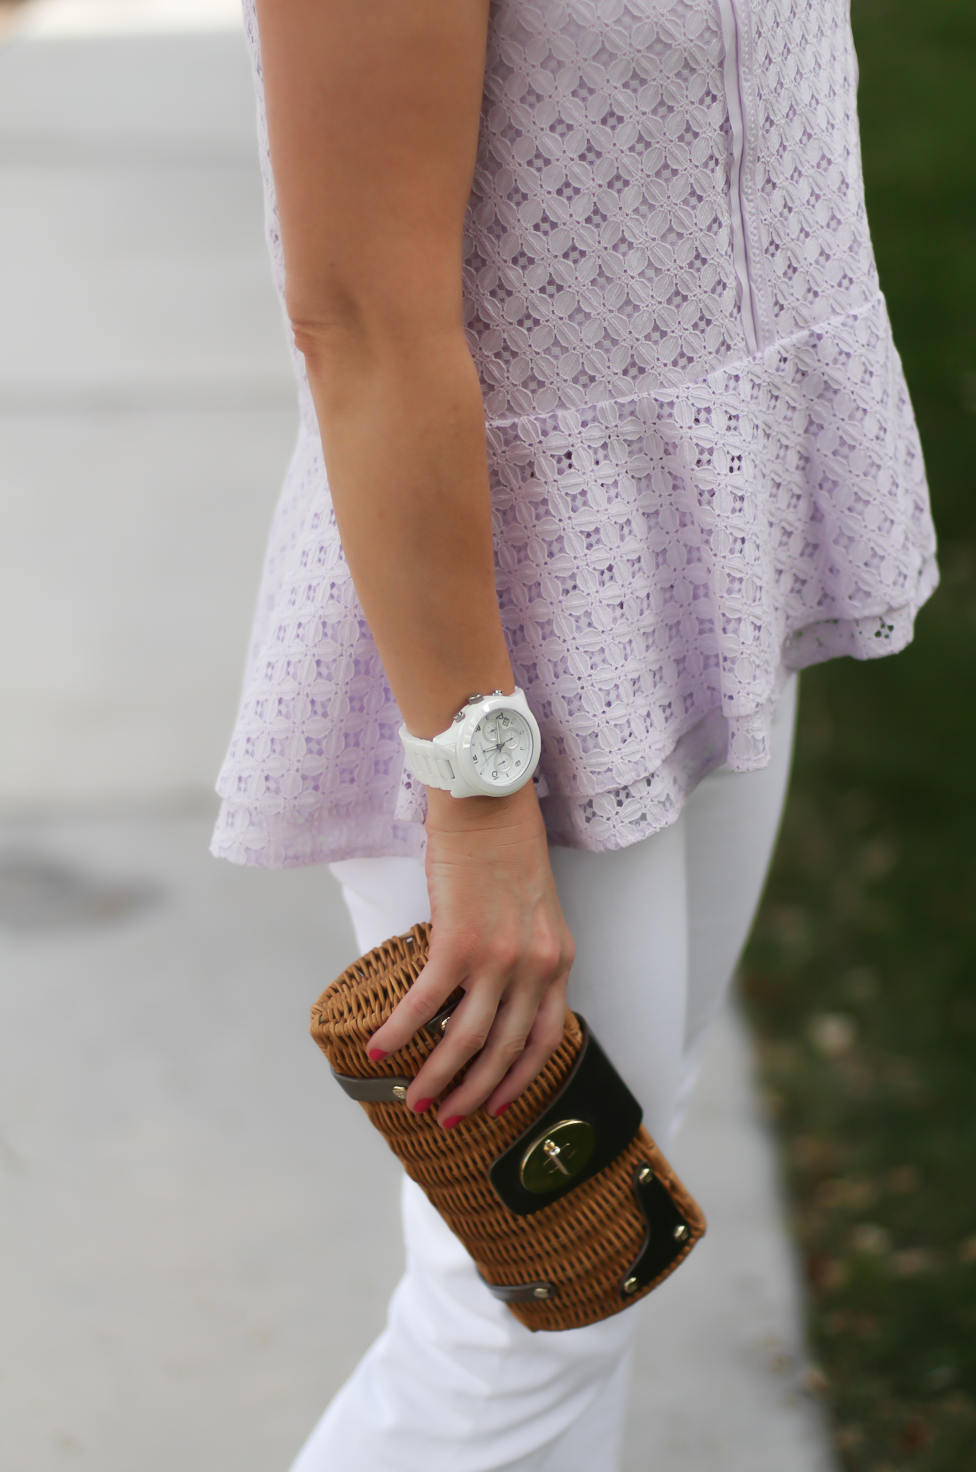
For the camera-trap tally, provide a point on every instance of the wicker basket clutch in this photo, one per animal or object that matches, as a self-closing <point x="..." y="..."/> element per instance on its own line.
<point x="566" y="1205"/>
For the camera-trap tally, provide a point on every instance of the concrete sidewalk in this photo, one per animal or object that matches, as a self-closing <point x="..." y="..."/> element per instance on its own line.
<point x="147" y="409"/>
<point x="199" y="1233"/>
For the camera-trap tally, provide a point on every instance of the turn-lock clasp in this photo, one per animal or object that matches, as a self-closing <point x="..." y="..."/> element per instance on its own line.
<point x="557" y="1155"/>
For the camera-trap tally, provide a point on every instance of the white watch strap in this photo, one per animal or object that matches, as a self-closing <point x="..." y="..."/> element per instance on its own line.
<point x="428" y="763"/>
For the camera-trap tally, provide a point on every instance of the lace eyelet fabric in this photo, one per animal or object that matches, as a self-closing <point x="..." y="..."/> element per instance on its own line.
<point x="704" y="465"/>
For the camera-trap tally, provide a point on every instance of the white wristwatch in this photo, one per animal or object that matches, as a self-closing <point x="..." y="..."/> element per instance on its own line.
<point x="492" y="747"/>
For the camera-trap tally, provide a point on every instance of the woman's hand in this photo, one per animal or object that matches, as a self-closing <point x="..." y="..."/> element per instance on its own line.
<point x="499" y="933"/>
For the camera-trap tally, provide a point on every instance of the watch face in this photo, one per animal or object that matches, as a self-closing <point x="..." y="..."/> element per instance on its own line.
<point x="501" y="748"/>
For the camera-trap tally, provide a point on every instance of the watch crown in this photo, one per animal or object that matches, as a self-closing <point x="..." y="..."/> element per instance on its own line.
<point x="473" y="698"/>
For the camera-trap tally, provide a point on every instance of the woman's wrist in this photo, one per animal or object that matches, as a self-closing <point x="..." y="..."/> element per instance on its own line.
<point x="447" y="814"/>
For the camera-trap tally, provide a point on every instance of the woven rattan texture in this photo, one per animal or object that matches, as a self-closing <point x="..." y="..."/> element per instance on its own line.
<point x="584" y="1242"/>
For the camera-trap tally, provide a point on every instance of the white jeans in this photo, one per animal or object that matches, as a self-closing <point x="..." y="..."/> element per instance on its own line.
<point x="455" y="1383"/>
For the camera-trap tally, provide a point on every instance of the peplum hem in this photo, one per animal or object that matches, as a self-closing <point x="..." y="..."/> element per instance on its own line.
<point x="663" y="562"/>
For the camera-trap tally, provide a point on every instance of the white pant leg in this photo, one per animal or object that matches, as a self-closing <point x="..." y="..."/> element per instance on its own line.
<point x="627" y="912"/>
<point x="659" y="926"/>
<point x="455" y="1382"/>
<point x="726" y="861"/>
<point x="384" y="897"/>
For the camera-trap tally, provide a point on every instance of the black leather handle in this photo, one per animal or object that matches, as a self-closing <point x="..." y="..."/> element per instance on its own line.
<point x="373" y="1090"/>
<point x="667" y="1237"/>
<point x="521" y="1292"/>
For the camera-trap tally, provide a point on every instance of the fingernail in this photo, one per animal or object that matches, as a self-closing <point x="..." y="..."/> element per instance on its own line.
<point x="448" y="1124"/>
<point x="501" y="1111"/>
<point x="421" y="1105"/>
<point x="376" y="1054"/>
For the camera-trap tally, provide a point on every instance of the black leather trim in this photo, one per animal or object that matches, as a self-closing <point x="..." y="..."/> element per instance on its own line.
<point x="540" y="1292"/>
<point x="660" y="1247"/>
<point x="372" y="1090"/>
<point x="593" y="1091"/>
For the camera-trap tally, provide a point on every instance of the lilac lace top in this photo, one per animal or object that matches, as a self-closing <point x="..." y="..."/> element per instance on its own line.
<point x="705" y="471"/>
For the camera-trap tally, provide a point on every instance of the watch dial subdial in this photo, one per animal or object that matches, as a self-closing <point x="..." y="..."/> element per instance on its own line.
<point x="501" y="748"/>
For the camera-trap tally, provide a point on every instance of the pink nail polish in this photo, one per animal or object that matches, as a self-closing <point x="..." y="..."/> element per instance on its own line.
<point x="501" y="1111"/>
<point x="376" y="1054"/>
<point x="448" y="1124"/>
<point x="421" y="1105"/>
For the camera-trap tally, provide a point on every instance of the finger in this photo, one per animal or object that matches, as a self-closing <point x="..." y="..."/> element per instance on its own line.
<point x="439" y="978"/>
<point x="466" y="1035"/>
<point x="542" y="1042"/>
<point x="504" y="1050"/>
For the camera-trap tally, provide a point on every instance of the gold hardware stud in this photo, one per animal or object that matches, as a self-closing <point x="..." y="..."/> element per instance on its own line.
<point x="680" y="1232"/>
<point x="557" y="1156"/>
<point x="399" y="1092"/>
<point x="541" y="1292"/>
<point x="438" y="1023"/>
<point x="645" y="1174"/>
<point x="631" y="1285"/>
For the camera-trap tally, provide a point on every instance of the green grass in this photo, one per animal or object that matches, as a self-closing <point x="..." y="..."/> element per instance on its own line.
<point x="861" y="975"/>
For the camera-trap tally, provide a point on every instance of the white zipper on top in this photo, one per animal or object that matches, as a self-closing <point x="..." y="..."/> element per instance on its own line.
<point x="735" y="19"/>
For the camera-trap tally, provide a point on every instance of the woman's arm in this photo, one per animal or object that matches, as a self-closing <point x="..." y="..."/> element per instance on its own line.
<point x="373" y="118"/>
